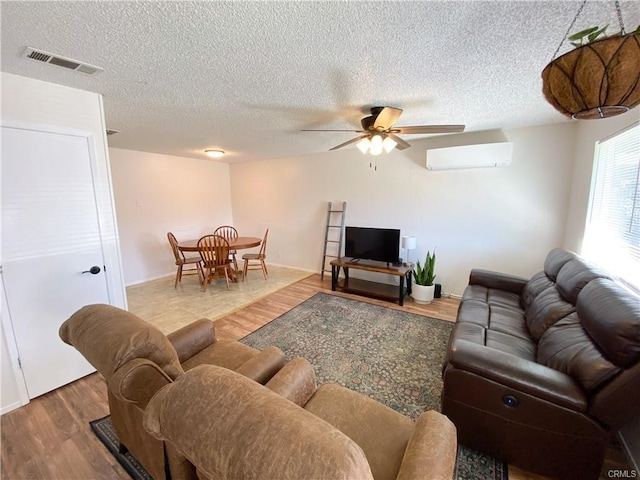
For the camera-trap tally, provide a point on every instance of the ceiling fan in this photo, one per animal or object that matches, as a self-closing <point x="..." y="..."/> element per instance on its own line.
<point x="378" y="132"/>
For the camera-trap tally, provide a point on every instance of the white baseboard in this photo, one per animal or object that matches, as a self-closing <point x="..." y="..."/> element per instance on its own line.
<point x="158" y="277"/>
<point x="10" y="407"/>
<point x="292" y="268"/>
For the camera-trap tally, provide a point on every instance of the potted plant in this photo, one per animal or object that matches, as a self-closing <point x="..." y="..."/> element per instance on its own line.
<point x="599" y="78"/>
<point x="423" y="287"/>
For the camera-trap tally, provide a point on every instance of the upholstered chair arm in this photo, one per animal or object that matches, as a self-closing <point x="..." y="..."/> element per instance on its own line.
<point x="518" y="373"/>
<point x="137" y="381"/>
<point x="263" y="366"/>
<point x="193" y="338"/>
<point x="431" y="451"/>
<point x="500" y="281"/>
<point x="296" y="381"/>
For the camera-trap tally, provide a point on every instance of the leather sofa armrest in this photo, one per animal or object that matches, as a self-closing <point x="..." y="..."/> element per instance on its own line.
<point x="432" y="448"/>
<point x="518" y="373"/>
<point x="137" y="381"/>
<point x="263" y="366"/>
<point x="296" y="381"/>
<point x="193" y="338"/>
<point x="500" y="281"/>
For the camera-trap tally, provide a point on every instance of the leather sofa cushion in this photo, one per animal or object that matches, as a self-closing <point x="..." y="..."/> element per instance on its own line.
<point x="611" y="317"/>
<point x="574" y="275"/>
<point x="518" y="347"/>
<point x="545" y="310"/>
<point x="534" y="287"/>
<point x="474" y="311"/>
<point x="566" y="347"/>
<point x="492" y="296"/>
<point x="555" y="260"/>
<point x="108" y="337"/>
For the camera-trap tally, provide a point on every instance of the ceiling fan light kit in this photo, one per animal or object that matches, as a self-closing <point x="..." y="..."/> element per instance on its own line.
<point x="378" y="133"/>
<point x="597" y="80"/>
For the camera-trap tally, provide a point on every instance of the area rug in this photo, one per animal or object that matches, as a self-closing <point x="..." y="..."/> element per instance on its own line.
<point x="390" y="355"/>
<point x="103" y="428"/>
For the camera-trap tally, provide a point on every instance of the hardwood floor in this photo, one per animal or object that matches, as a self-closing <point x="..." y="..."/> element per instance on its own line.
<point x="50" y="437"/>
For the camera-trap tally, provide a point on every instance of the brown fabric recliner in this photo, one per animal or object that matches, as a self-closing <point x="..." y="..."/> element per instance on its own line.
<point x="234" y="429"/>
<point x="541" y="372"/>
<point x="137" y="359"/>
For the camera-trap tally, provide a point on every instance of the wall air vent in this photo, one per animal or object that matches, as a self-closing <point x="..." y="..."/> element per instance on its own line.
<point x="46" y="57"/>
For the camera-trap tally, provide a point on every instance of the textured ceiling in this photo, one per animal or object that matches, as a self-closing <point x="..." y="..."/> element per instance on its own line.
<point x="246" y="77"/>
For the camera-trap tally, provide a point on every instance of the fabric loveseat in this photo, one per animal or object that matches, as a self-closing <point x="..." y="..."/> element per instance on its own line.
<point x="137" y="359"/>
<point x="234" y="429"/>
<point x="541" y="372"/>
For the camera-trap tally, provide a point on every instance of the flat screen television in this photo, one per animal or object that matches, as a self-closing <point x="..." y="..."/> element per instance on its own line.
<point x="381" y="244"/>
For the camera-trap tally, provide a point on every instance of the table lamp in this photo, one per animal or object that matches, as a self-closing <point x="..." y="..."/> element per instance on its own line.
<point x="408" y="243"/>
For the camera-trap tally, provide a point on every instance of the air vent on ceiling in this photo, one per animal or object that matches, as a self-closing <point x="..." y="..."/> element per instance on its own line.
<point x="112" y="132"/>
<point x="46" y="57"/>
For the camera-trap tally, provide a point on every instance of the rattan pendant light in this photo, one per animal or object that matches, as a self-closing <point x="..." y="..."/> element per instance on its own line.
<point x="597" y="80"/>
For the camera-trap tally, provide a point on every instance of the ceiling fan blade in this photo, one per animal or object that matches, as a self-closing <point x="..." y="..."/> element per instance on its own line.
<point x="353" y="140"/>
<point x="386" y="118"/>
<point x="401" y="143"/>
<point x="429" y="129"/>
<point x="356" y="131"/>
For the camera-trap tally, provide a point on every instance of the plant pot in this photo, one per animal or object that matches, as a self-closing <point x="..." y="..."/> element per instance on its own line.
<point x="596" y="80"/>
<point x="422" y="294"/>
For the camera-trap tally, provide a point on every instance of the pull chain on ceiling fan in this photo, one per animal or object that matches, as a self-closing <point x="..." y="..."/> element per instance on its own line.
<point x="379" y="134"/>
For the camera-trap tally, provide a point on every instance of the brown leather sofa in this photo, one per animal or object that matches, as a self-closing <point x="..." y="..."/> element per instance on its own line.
<point x="541" y="372"/>
<point x="234" y="429"/>
<point x="137" y="359"/>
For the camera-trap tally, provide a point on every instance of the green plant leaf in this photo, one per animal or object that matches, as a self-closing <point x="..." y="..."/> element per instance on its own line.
<point x="593" y="36"/>
<point x="580" y="35"/>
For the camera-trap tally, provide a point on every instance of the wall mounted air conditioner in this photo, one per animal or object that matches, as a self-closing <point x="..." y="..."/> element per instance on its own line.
<point x="470" y="156"/>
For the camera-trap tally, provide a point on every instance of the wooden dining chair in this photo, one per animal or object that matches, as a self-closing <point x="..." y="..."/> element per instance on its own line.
<point x="214" y="251"/>
<point x="193" y="264"/>
<point x="255" y="261"/>
<point x="230" y="233"/>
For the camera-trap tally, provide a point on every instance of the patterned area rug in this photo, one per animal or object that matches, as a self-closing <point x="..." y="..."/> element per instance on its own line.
<point x="103" y="428"/>
<point x="392" y="356"/>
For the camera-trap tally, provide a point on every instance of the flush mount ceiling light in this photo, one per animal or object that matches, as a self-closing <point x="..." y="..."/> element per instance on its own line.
<point x="214" y="153"/>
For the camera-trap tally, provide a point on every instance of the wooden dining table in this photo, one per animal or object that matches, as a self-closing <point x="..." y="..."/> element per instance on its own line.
<point x="239" y="243"/>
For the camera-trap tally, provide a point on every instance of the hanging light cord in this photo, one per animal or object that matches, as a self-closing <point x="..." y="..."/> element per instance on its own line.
<point x="569" y="29"/>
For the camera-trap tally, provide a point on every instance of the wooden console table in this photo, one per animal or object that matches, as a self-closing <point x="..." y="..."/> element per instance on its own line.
<point x="373" y="289"/>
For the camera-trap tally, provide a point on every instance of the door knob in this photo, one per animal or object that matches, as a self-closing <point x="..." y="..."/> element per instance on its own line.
<point x="93" y="270"/>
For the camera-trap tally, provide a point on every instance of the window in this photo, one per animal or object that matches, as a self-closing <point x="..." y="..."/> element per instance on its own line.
<point x="612" y="235"/>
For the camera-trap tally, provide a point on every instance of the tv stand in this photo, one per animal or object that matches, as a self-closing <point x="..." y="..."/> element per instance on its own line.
<point x="372" y="289"/>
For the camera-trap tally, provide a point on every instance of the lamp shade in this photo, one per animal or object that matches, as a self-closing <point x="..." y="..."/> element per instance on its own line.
<point x="409" y="242"/>
<point x="597" y="80"/>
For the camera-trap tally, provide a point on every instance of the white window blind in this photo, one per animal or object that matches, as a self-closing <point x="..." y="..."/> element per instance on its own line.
<point x="612" y="236"/>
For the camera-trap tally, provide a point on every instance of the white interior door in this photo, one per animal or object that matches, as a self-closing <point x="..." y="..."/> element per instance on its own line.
<point x="50" y="238"/>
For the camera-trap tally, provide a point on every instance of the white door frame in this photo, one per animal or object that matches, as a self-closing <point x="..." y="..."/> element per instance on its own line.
<point x="10" y="338"/>
<point x="107" y="225"/>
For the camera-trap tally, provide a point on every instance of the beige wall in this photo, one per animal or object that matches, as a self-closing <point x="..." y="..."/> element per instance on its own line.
<point x="155" y="194"/>
<point x="589" y="132"/>
<point x="505" y="219"/>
